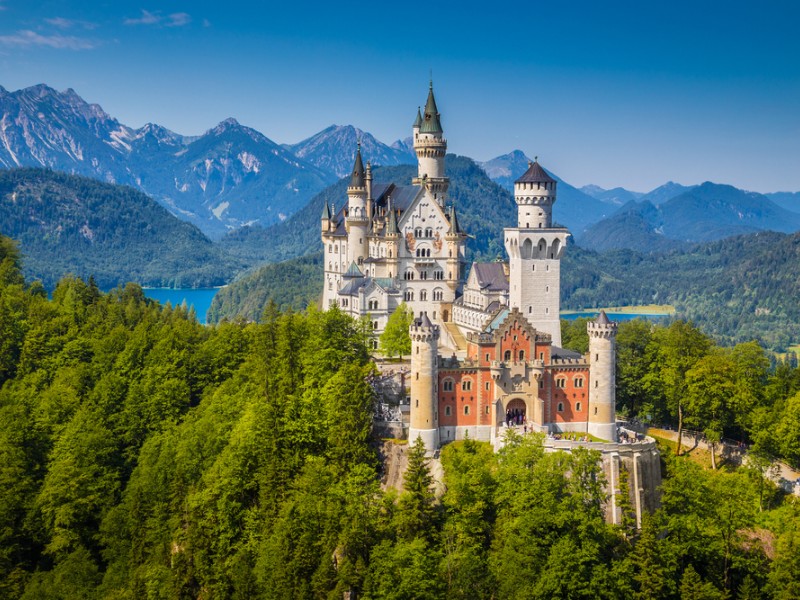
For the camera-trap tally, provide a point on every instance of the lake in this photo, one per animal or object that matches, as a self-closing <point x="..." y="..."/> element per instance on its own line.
<point x="200" y="298"/>
<point x="614" y="316"/>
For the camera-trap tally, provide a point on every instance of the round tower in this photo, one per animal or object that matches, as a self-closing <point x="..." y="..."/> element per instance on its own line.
<point x="535" y="194"/>
<point x="535" y="249"/>
<point x="455" y="239"/>
<point x="431" y="148"/>
<point x="357" y="221"/>
<point x="392" y="237"/>
<point x="602" y="377"/>
<point x="424" y="384"/>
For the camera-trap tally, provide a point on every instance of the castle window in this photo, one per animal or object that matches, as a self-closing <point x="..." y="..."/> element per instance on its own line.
<point x="438" y="274"/>
<point x="487" y="410"/>
<point x="579" y="382"/>
<point x="547" y="288"/>
<point x="541" y="383"/>
<point x="417" y="403"/>
<point x="466" y="385"/>
<point x="530" y="309"/>
<point x="487" y="386"/>
<point x="534" y="268"/>
<point x="595" y="384"/>
<point x="374" y="324"/>
<point x="423" y="295"/>
<point x="522" y="355"/>
<point x="409" y="296"/>
<point x="330" y="285"/>
<point x="487" y="357"/>
<point x="418" y="234"/>
<point x="507" y="355"/>
<point x="597" y="358"/>
<point x="330" y="248"/>
<point x="447" y="411"/>
<point x="541" y="355"/>
<point x="466" y="409"/>
<point x="560" y="407"/>
<point x="561" y="382"/>
<point x="447" y="385"/>
<point x="437" y="295"/>
<point x="428" y="233"/>
<point x="423" y="275"/>
<point x="595" y="410"/>
<point x="374" y="344"/>
<point x="578" y="407"/>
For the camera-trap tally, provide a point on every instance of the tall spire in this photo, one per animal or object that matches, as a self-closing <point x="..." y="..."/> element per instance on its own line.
<point x="391" y="224"/>
<point x="454" y="227"/>
<point x="418" y="120"/>
<point x="431" y="122"/>
<point x="357" y="179"/>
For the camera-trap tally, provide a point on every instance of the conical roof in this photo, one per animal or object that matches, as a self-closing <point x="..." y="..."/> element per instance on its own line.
<point x="418" y="120"/>
<point x="357" y="179"/>
<point x="326" y="210"/>
<point x="602" y="318"/>
<point x="391" y="224"/>
<point x="424" y="321"/>
<point x="431" y="122"/>
<point x="535" y="174"/>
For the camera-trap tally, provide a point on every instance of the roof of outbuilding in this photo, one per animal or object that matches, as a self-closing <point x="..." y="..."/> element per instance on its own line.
<point x="491" y="276"/>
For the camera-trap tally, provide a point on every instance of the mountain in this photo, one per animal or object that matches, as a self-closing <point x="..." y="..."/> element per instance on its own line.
<point x="664" y="192"/>
<point x="788" y="200"/>
<point x="706" y="212"/>
<point x="574" y="209"/>
<point x="74" y="224"/>
<point x="616" y="196"/>
<point x="333" y="150"/>
<point x="230" y="176"/>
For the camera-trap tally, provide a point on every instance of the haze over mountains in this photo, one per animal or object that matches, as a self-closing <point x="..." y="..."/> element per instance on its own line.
<point x="233" y="175"/>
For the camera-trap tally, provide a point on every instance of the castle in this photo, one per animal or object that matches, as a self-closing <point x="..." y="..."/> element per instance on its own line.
<point x="486" y="349"/>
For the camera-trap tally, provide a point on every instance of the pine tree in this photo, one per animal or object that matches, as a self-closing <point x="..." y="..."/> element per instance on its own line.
<point x="416" y="515"/>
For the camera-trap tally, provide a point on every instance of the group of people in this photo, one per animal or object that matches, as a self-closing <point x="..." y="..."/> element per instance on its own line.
<point x="515" y="417"/>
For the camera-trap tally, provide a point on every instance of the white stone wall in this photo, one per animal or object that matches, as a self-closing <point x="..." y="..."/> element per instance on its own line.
<point x="424" y="387"/>
<point x="602" y="381"/>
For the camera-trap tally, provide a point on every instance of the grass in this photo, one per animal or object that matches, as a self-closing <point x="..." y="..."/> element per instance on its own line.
<point x="698" y="455"/>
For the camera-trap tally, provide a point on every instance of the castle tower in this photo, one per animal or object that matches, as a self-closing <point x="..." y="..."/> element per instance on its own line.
<point x="534" y="249"/>
<point x="602" y="377"/>
<point x="357" y="221"/>
<point x="455" y="239"/>
<point x="424" y="384"/>
<point x="431" y="147"/>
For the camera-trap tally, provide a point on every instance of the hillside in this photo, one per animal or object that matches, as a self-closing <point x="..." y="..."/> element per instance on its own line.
<point x="704" y="213"/>
<point x="71" y="224"/>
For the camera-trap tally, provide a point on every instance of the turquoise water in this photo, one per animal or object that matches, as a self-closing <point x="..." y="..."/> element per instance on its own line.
<point x="200" y="298"/>
<point x="611" y="315"/>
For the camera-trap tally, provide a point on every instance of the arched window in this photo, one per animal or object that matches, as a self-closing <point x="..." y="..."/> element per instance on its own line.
<point x="437" y="295"/>
<point x="560" y="407"/>
<point x="447" y="411"/>
<point x="561" y="382"/>
<point x="522" y="355"/>
<point x="423" y="295"/>
<point x="466" y="409"/>
<point x="466" y="385"/>
<point x="579" y="382"/>
<point x="578" y="407"/>
<point x="507" y="355"/>
<point x="447" y="385"/>
<point x="409" y="296"/>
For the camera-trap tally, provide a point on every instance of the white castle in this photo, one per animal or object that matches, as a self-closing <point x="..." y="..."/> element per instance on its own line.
<point x="402" y="243"/>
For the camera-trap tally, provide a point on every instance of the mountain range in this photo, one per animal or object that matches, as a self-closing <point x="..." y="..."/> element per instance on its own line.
<point x="233" y="176"/>
<point x="702" y="213"/>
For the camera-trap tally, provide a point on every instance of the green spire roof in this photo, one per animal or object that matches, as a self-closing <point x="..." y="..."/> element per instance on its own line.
<point x="454" y="227"/>
<point x="418" y="120"/>
<point x="326" y="210"/>
<point x="431" y="122"/>
<point x="357" y="179"/>
<point x="391" y="225"/>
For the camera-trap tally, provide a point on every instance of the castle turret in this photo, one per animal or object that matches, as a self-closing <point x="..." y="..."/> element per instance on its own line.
<point x="357" y="222"/>
<point x="535" y="248"/>
<point x="455" y="239"/>
<point x="424" y="384"/>
<point x="431" y="148"/>
<point x="392" y="241"/>
<point x="602" y="377"/>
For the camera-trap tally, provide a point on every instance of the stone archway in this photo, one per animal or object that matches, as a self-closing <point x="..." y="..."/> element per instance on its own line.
<point x="516" y="411"/>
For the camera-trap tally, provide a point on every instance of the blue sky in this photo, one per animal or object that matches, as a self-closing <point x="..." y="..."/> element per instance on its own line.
<point x="630" y="93"/>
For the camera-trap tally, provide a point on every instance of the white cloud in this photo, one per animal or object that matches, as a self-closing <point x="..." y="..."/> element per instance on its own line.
<point x="63" y="23"/>
<point x="178" y="19"/>
<point x="26" y="38"/>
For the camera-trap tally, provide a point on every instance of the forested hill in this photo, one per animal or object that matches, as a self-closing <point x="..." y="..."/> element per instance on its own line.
<point x="72" y="224"/>
<point x="484" y="208"/>
<point x="737" y="289"/>
<point x="143" y="455"/>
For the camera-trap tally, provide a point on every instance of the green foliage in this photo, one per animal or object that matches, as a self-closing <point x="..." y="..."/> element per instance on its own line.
<point x="143" y="455"/>
<point x="395" y="339"/>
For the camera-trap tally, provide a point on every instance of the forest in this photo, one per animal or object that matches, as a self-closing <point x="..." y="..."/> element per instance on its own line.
<point x="143" y="455"/>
